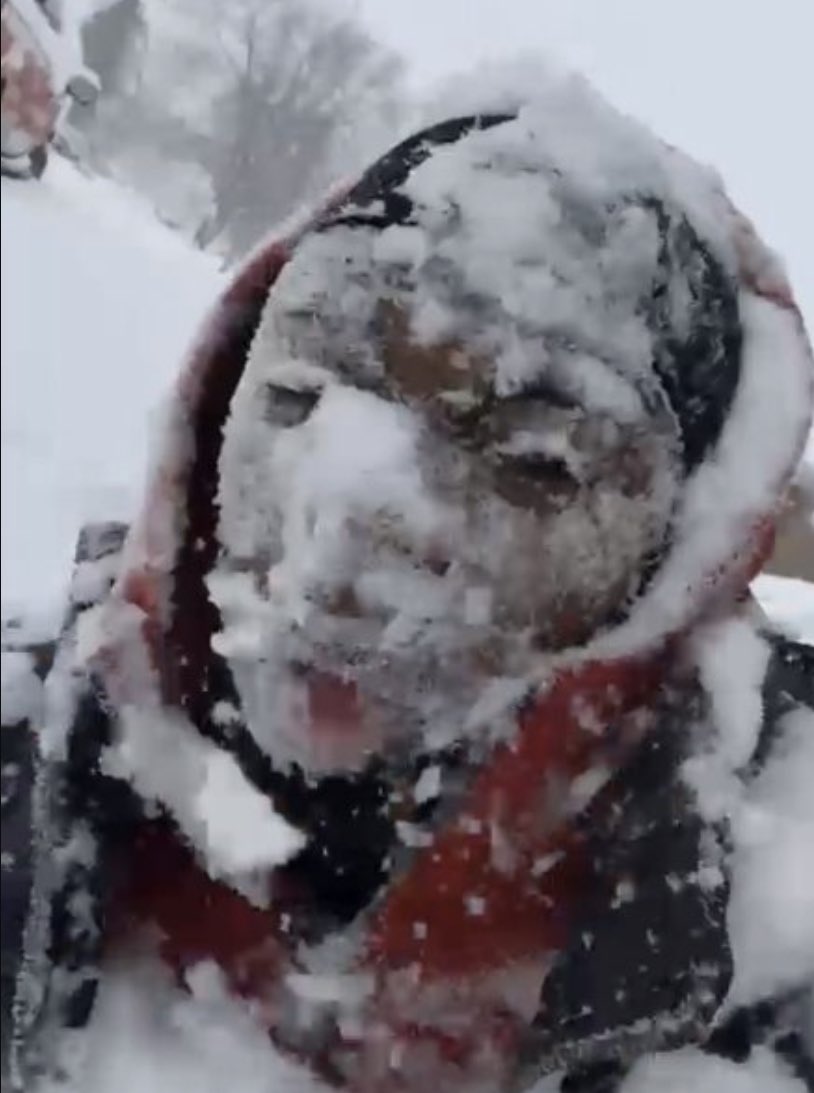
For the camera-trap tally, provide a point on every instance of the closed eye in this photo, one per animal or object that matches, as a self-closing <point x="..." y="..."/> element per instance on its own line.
<point x="288" y="406"/>
<point x="542" y="390"/>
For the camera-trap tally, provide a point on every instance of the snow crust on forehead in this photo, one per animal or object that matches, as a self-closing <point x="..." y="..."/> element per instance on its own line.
<point x="603" y="150"/>
<point x="535" y="243"/>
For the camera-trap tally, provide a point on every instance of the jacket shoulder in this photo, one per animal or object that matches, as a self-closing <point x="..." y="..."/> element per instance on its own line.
<point x="790" y="675"/>
<point x="788" y="686"/>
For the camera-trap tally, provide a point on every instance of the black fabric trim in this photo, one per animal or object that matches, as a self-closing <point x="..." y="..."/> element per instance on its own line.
<point x="382" y="181"/>
<point x="699" y="373"/>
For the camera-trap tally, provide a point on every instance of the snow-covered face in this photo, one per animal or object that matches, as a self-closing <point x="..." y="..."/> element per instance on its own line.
<point x="421" y="495"/>
<point x="421" y="538"/>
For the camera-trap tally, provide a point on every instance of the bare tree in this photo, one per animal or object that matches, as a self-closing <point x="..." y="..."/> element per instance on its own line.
<point x="113" y="41"/>
<point x="229" y="114"/>
<point x="297" y="79"/>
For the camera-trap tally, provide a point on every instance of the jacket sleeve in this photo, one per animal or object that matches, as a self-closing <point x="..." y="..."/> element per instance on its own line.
<point x="17" y="756"/>
<point x="651" y="961"/>
<point x="52" y="903"/>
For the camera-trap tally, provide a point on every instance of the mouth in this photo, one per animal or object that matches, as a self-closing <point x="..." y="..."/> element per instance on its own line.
<point x="535" y="481"/>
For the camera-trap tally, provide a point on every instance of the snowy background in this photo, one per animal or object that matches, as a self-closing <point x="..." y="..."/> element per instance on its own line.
<point x="99" y="299"/>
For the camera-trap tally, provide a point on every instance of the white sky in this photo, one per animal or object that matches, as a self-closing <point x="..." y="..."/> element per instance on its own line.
<point x="731" y="81"/>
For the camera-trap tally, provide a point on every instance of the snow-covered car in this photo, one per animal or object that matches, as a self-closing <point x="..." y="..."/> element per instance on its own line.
<point x="42" y="73"/>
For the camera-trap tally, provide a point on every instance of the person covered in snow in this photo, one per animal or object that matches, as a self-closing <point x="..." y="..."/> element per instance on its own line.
<point x="427" y="700"/>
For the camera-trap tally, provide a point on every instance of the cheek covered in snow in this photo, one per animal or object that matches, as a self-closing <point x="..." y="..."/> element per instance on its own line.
<point x="362" y="541"/>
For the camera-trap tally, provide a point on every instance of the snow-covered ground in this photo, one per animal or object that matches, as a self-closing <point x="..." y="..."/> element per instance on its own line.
<point x="98" y="301"/>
